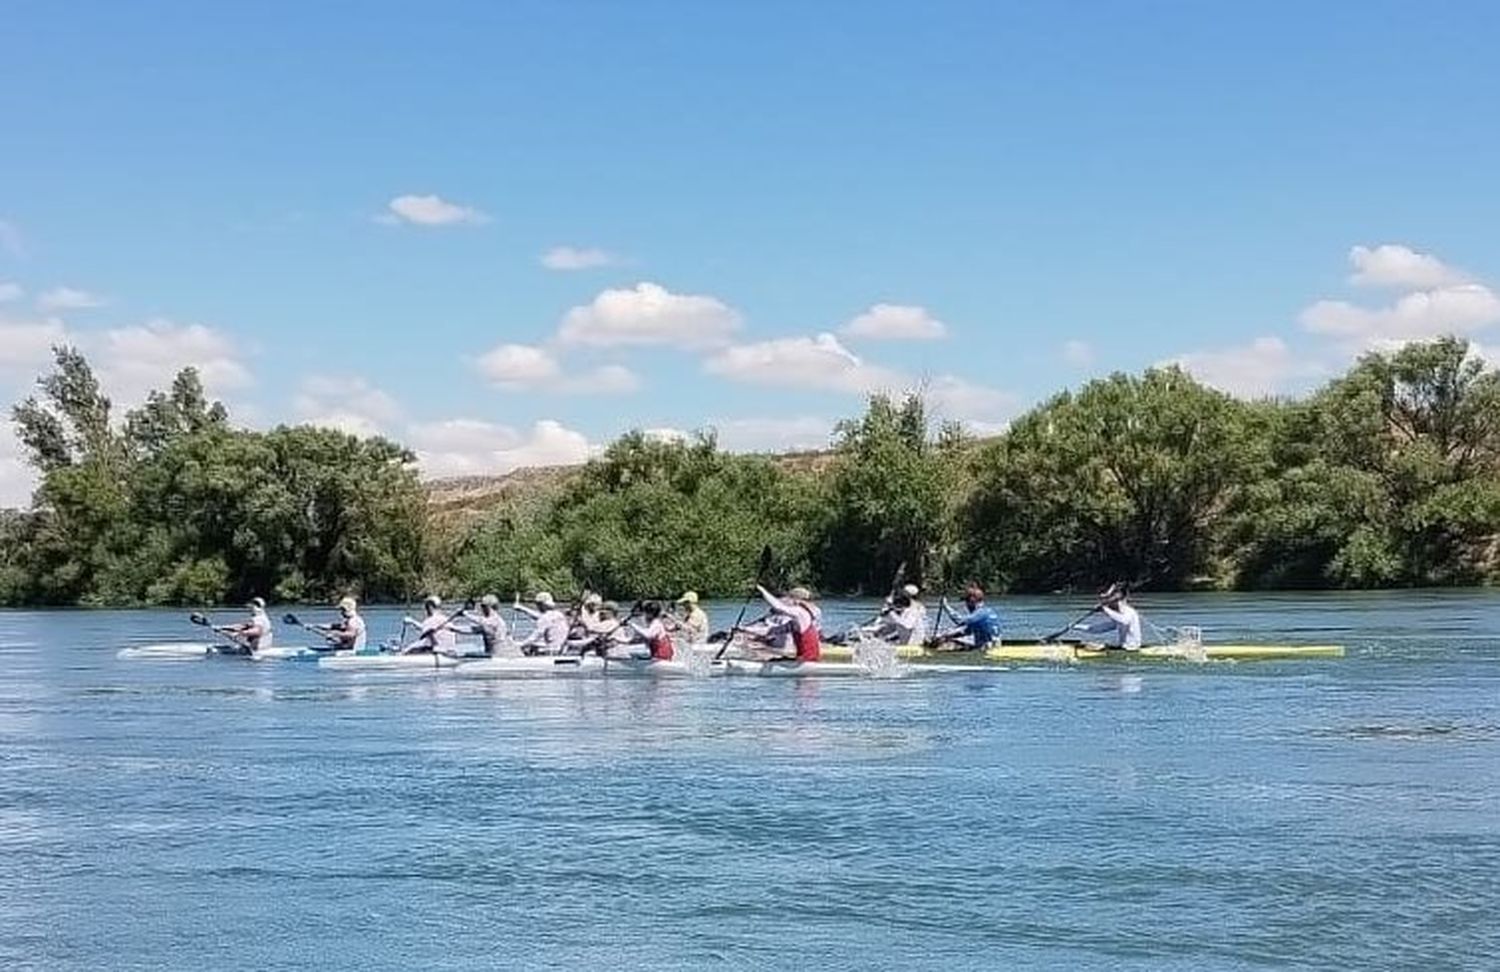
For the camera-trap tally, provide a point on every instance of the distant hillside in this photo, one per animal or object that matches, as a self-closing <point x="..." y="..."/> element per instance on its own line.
<point x="462" y="498"/>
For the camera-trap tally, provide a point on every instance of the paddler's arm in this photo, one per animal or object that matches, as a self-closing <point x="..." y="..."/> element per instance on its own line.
<point x="776" y="604"/>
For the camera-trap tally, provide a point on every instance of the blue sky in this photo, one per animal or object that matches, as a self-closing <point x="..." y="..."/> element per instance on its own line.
<point x="340" y="211"/>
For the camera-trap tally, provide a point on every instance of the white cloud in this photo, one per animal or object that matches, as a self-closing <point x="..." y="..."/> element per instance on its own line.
<point x="28" y="344"/>
<point x="347" y="403"/>
<point x="135" y="360"/>
<point x="525" y="367"/>
<point x="1439" y="300"/>
<point x="1265" y="366"/>
<point x="17" y="479"/>
<point x="470" y="447"/>
<point x="10" y="292"/>
<point x="1394" y="265"/>
<point x="819" y="362"/>
<point x="68" y="298"/>
<point x="578" y="258"/>
<point x="895" y="322"/>
<point x="979" y="408"/>
<point x="796" y="434"/>
<point x="430" y="210"/>
<point x="518" y="365"/>
<point x="1459" y="308"/>
<point x="649" y="314"/>
<point x="1078" y="353"/>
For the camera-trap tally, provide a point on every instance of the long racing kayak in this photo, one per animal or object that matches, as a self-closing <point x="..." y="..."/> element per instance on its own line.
<point x="181" y="650"/>
<point x="1038" y="651"/>
<point x="384" y="661"/>
<point x="573" y="666"/>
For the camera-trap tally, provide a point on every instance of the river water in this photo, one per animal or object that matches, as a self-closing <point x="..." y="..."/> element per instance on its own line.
<point x="223" y="814"/>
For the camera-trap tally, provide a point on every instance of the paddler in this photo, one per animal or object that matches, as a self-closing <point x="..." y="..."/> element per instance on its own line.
<point x="597" y="623"/>
<point x="348" y="632"/>
<point x="653" y="634"/>
<point x="433" y="633"/>
<point x="977" y="628"/>
<point x="800" y="627"/>
<point x="1121" y="624"/>
<point x="550" y="635"/>
<point x="254" y="634"/>
<point x="694" y="622"/>
<point x="488" y="624"/>
<point x="903" y="620"/>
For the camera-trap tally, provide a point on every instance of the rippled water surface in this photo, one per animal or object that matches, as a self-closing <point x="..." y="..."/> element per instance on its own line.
<point x="230" y="815"/>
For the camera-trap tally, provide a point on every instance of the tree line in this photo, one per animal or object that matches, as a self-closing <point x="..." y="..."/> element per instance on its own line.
<point x="1387" y="476"/>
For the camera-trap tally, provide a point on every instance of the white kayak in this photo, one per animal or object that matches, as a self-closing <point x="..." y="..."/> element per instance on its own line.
<point x="573" y="666"/>
<point x="387" y="661"/>
<point x="170" y="650"/>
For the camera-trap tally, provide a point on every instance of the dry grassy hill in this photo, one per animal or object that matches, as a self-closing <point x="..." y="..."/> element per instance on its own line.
<point x="463" y="498"/>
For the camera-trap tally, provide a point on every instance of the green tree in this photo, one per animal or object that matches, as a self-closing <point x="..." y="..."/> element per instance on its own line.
<point x="891" y="494"/>
<point x="1127" y="478"/>
<point x="1389" y="475"/>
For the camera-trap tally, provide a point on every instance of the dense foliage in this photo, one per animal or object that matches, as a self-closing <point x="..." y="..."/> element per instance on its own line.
<point x="175" y="506"/>
<point x="1389" y="475"/>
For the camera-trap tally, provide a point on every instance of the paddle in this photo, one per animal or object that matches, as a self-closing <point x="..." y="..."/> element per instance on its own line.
<point x="945" y="568"/>
<point x="1073" y="624"/>
<point x="760" y="573"/>
<point x="203" y="622"/>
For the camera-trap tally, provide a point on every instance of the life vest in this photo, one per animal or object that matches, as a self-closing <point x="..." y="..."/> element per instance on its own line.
<point x="661" y="647"/>
<point x="808" y="640"/>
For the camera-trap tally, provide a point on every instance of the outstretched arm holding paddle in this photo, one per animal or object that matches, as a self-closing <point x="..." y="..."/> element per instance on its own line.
<point x="763" y="569"/>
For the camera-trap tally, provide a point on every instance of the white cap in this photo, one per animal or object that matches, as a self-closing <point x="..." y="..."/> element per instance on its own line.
<point x="544" y="598"/>
<point x="432" y="600"/>
<point x="592" y="600"/>
<point x="259" y="603"/>
<point x="799" y="594"/>
<point x="911" y="590"/>
<point x="688" y="597"/>
<point x="347" y="604"/>
<point x="490" y="601"/>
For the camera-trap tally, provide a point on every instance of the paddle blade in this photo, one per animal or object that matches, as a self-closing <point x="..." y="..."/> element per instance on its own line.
<point x="199" y="620"/>
<point x="291" y="619"/>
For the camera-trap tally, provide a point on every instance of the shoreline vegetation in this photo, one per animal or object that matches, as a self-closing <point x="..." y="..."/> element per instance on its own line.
<point x="1387" y="476"/>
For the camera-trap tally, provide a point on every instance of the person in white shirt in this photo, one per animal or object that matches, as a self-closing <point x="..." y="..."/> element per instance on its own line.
<point x="433" y="633"/>
<point x="1121" y="625"/>
<point x="903" y="622"/>
<point x="254" y="634"/>
<point x="348" y="633"/>
<point x="488" y="624"/>
<point x="550" y="635"/>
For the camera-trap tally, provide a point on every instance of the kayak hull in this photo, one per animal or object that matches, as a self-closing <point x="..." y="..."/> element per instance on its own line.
<point x="344" y="661"/>
<point x="183" y="650"/>
<point x="1036" y="651"/>
<point x="575" y="666"/>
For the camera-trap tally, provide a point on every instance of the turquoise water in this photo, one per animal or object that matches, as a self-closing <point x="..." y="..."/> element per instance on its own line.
<point x="230" y="815"/>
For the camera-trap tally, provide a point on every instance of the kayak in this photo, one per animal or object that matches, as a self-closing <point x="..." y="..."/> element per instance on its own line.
<point x="170" y="650"/>
<point x="1038" y="651"/>
<point x="572" y="666"/>
<point x="385" y="661"/>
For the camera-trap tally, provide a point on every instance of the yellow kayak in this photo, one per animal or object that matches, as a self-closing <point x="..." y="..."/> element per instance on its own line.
<point x="1036" y="651"/>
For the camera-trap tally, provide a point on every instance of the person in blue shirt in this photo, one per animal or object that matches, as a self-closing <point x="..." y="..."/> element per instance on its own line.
<point x="977" y="629"/>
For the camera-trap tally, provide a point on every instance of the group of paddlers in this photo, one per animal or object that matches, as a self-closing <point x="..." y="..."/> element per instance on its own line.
<point x="791" y="627"/>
